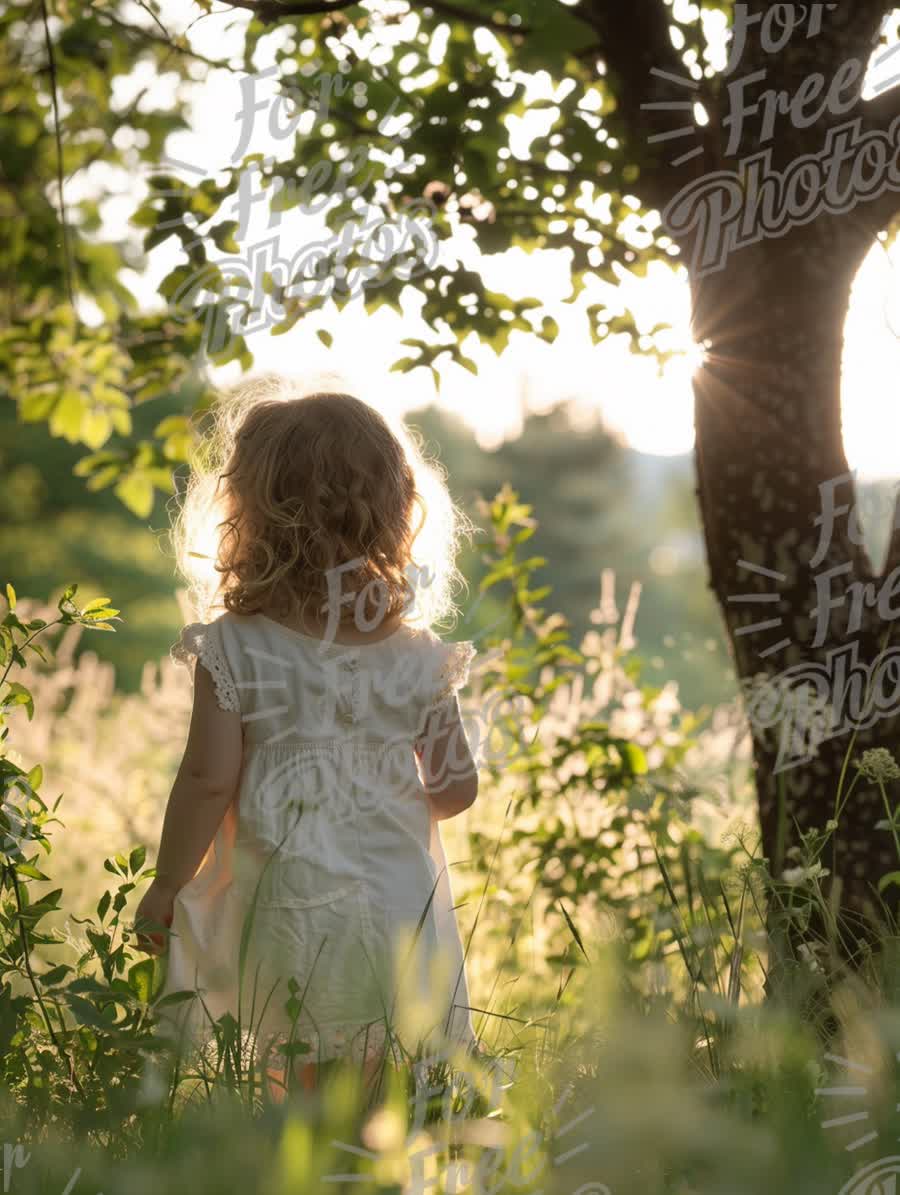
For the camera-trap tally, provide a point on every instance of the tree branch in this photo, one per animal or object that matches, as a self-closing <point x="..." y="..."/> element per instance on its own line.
<point x="68" y="264"/>
<point x="475" y="18"/>
<point x="270" y="11"/>
<point x="633" y="41"/>
<point x="157" y="38"/>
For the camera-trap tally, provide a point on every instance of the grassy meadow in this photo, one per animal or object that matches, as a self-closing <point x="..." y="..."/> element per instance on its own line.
<point x="638" y="1030"/>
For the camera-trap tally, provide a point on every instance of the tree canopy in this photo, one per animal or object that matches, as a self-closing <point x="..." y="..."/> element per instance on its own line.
<point x="430" y="164"/>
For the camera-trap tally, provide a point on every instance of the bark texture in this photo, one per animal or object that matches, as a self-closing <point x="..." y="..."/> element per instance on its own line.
<point x="768" y="397"/>
<point x="768" y="414"/>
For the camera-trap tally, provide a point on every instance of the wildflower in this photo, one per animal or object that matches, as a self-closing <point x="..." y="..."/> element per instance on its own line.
<point x="798" y="875"/>
<point x="878" y="765"/>
<point x="808" y="956"/>
<point x="831" y="824"/>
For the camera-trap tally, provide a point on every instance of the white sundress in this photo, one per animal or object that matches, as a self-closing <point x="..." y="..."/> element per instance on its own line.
<point x="330" y="835"/>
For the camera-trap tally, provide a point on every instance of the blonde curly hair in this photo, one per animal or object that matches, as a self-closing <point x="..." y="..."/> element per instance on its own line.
<point x="290" y="489"/>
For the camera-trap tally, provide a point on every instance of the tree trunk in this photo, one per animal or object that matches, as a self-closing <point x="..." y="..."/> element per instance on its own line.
<point x="768" y="397"/>
<point x="770" y="455"/>
<point x="768" y="437"/>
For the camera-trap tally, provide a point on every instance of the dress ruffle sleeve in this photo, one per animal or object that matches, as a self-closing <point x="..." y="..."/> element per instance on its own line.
<point x="202" y="641"/>
<point x="445" y="671"/>
<point x="452" y="674"/>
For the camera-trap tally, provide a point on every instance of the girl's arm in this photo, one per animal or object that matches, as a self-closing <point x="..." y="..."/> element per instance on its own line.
<point x="449" y="774"/>
<point x="204" y="787"/>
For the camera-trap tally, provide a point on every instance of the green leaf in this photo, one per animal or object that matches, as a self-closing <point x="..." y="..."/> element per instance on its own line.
<point x="55" y="974"/>
<point x="97" y="616"/>
<point x="405" y="364"/>
<point x="136" y="859"/>
<point x="17" y="694"/>
<point x="30" y="872"/>
<point x="140" y="979"/>
<point x="65" y="421"/>
<point x="636" y="758"/>
<point x="174" y="998"/>
<point x="549" y="329"/>
<point x="136" y="491"/>
<point x="85" y="1012"/>
<point x="96" y="428"/>
<point x="11" y="596"/>
<point x="36" y="406"/>
<point x="97" y="604"/>
<point x="572" y="929"/>
<point x="223" y="236"/>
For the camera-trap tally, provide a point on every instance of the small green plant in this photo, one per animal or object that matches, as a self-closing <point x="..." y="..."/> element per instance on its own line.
<point x="597" y="840"/>
<point x="74" y="1037"/>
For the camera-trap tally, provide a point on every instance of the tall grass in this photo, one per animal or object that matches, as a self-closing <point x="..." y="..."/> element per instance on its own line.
<point x="613" y="907"/>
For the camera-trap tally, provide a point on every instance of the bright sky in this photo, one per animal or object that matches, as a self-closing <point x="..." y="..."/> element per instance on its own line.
<point x="654" y="414"/>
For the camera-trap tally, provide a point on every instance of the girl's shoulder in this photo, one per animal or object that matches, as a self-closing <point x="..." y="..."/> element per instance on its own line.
<point x="226" y="632"/>
<point x="446" y="662"/>
<point x="205" y="642"/>
<point x="218" y="642"/>
<point x="194" y="636"/>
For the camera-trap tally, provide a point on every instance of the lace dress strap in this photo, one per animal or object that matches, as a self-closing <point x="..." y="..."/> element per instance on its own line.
<point x="202" y="641"/>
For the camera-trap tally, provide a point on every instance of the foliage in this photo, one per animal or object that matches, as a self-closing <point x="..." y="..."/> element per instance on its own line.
<point x="592" y="769"/>
<point x="101" y="973"/>
<point x="459" y="84"/>
<point x="605" y="511"/>
<point x="647" y="1033"/>
<point x="71" y="1033"/>
<point x="81" y="379"/>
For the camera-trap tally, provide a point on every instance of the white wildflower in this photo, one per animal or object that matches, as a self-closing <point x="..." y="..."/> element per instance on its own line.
<point x="800" y="875"/>
<point x="807" y="954"/>
<point x="878" y="765"/>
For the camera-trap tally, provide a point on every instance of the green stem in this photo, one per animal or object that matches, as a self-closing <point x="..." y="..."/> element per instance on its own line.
<point x="838" y="804"/>
<point x="10" y="871"/>
<point x="890" y="817"/>
<point x="21" y="647"/>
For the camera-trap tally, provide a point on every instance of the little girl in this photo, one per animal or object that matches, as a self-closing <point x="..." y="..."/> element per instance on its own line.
<point x="301" y="871"/>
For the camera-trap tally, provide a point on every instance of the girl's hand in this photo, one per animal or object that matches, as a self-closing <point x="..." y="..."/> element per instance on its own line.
<point x="155" y="909"/>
